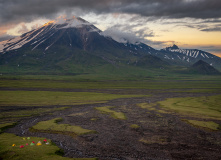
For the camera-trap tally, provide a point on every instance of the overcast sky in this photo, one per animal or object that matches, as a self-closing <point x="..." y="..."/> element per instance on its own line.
<point x="159" y="23"/>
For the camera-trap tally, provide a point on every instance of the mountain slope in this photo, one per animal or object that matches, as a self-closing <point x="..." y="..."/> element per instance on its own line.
<point x="188" y="57"/>
<point x="73" y="45"/>
<point x="202" y="67"/>
<point x="73" y="33"/>
<point x="150" y="61"/>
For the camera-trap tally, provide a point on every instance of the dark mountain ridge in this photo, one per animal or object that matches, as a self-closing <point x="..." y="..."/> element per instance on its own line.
<point x="187" y="57"/>
<point x="202" y="67"/>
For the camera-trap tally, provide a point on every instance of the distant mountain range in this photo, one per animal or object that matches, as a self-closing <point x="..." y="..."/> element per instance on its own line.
<point x="189" y="56"/>
<point x="76" y="46"/>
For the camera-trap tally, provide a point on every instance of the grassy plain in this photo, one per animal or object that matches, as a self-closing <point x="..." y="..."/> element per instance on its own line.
<point x="52" y="126"/>
<point x="74" y="82"/>
<point x="204" y="107"/>
<point x="148" y="106"/>
<point x="205" y="124"/>
<point x="30" y="96"/>
<point x="24" y="113"/>
<point x="50" y="98"/>
<point x="5" y="126"/>
<point x="47" y="152"/>
<point x="114" y="114"/>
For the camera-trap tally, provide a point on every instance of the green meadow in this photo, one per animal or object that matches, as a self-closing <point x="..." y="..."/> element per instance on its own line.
<point x="193" y="83"/>
<point x="204" y="107"/>
<point x="47" y="152"/>
<point x="28" y="96"/>
<point x="52" y="126"/>
<point x="16" y="115"/>
<point x="5" y="126"/>
<point x="112" y="113"/>
<point x="50" y="98"/>
<point x="205" y="124"/>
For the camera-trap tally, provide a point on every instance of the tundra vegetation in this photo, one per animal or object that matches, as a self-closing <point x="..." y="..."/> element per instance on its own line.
<point x="99" y="116"/>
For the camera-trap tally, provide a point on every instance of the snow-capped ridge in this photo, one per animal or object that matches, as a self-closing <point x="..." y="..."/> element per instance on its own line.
<point x="37" y="36"/>
<point x="63" y="22"/>
<point x="193" y="53"/>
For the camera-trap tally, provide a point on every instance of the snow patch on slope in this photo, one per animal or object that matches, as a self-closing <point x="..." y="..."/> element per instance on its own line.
<point x="57" y="24"/>
<point x="18" y="42"/>
<point x="2" y="46"/>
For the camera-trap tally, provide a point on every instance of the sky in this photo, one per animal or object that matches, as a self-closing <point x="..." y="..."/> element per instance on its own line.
<point x="190" y="24"/>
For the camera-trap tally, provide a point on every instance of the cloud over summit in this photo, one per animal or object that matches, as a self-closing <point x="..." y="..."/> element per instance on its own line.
<point x="12" y="10"/>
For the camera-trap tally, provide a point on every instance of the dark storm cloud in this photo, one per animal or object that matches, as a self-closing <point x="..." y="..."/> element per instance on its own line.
<point x="176" y="8"/>
<point x="17" y="10"/>
<point x="203" y="26"/>
<point x="216" y="29"/>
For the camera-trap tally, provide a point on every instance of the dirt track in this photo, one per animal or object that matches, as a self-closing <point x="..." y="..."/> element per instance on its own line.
<point x="161" y="136"/>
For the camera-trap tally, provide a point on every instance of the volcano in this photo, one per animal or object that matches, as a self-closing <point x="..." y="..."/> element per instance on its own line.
<point x="68" y="45"/>
<point x="75" y="46"/>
